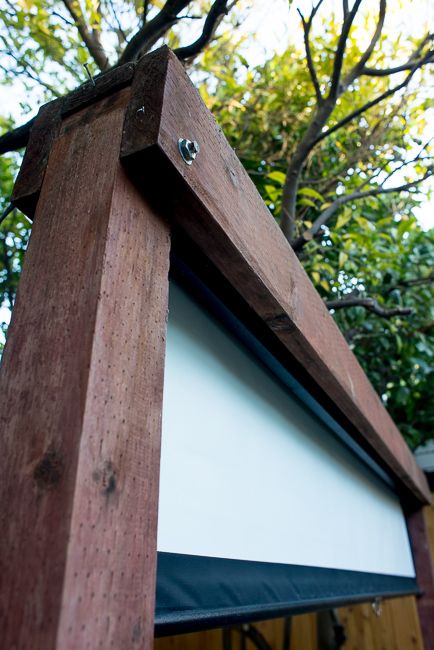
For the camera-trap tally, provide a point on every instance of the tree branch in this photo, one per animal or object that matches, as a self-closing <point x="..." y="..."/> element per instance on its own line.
<point x="90" y="38"/>
<point x="120" y="31"/>
<point x="218" y="10"/>
<point x="313" y="133"/>
<point x="413" y="282"/>
<point x="310" y="64"/>
<point x="370" y="304"/>
<point x="413" y="60"/>
<point x="16" y="139"/>
<point x="326" y="215"/>
<point x="28" y="71"/>
<point x="373" y="102"/>
<point x="340" y="50"/>
<point x="96" y="36"/>
<point x="152" y="30"/>
<point x="357" y="69"/>
<point x="386" y="72"/>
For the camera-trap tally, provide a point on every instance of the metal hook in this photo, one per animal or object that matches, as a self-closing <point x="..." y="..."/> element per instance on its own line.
<point x="377" y="607"/>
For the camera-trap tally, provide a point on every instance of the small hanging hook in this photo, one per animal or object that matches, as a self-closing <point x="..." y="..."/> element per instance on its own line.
<point x="377" y="606"/>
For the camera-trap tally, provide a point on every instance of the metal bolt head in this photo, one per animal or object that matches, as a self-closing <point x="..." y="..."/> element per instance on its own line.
<point x="188" y="149"/>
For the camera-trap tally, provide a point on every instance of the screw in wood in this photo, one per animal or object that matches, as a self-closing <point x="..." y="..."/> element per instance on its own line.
<point x="188" y="149"/>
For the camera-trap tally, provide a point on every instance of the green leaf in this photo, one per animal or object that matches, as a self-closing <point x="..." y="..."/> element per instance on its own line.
<point x="307" y="202"/>
<point x="272" y="192"/>
<point x="343" y="219"/>
<point x="279" y="177"/>
<point x="308" y="191"/>
<point x="343" y="257"/>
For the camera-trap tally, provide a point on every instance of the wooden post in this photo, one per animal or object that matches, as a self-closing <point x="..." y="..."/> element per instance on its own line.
<point x="80" y="403"/>
<point x="424" y="566"/>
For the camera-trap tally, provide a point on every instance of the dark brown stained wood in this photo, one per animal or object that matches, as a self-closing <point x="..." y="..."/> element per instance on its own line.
<point x="29" y="181"/>
<point x="217" y="205"/>
<point x="47" y="124"/>
<point x="142" y="119"/>
<point x="102" y="85"/>
<point x="424" y="564"/>
<point x="80" y="404"/>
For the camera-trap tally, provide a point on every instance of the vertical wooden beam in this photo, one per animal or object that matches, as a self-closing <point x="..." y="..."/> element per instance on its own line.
<point x="424" y="565"/>
<point x="80" y="403"/>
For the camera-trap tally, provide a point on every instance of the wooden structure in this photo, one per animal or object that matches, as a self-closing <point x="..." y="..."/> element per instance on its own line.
<point x="82" y="376"/>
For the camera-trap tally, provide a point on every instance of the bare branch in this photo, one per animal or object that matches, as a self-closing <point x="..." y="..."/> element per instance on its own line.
<point x="357" y="69"/>
<point x="90" y="38"/>
<point x="16" y="139"/>
<point x="386" y="72"/>
<point x="388" y="93"/>
<point x="327" y="214"/>
<point x="370" y="304"/>
<point x="152" y="30"/>
<point x="122" y="37"/>
<point x="415" y="59"/>
<point x="314" y="133"/>
<point x="218" y="10"/>
<point x="96" y="36"/>
<point x="340" y="50"/>
<point x="413" y="282"/>
<point x="63" y="18"/>
<point x="310" y="64"/>
<point x="28" y="70"/>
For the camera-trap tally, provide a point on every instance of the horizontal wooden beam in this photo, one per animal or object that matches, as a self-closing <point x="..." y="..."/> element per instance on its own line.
<point x="216" y="204"/>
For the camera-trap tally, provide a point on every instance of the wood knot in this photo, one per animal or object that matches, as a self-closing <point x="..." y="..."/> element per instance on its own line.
<point x="137" y="632"/>
<point x="106" y="477"/>
<point x="233" y="177"/>
<point x="280" y="323"/>
<point x="48" y="472"/>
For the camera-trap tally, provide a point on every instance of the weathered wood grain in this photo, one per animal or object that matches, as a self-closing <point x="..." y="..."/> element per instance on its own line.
<point x="143" y="116"/>
<point x="102" y="85"/>
<point x="31" y="175"/>
<point x="217" y="205"/>
<point x="80" y="404"/>
<point x="46" y="126"/>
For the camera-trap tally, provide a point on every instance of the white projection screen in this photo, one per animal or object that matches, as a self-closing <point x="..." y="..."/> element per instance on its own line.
<point x="263" y="510"/>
